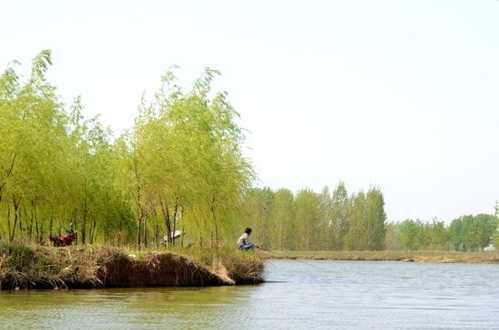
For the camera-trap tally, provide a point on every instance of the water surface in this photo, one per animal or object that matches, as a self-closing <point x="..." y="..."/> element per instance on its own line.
<point x="302" y="295"/>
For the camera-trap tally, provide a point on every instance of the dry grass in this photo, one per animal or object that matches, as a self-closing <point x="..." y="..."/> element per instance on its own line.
<point x="25" y="266"/>
<point x="243" y="267"/>
<point x="416" y="256"/>
<point x="158" y="269"/>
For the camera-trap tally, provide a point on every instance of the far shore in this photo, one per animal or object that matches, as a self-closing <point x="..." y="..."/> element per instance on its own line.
<point x="388" y="255"/>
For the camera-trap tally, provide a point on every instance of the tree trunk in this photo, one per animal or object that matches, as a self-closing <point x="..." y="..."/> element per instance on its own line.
<point x="51" y="222"/>
<point x="37" y="230"/>
<point x="174" y="222"/>
<point x="156" y="234"/>
<point x="145" y="232"/>
<point x="138" y="201"/>
<point x="84" y="224"/>
<point x="8" y="220"/>
<point x="21" y="217"/>
<point x="16" y="203"/>
<point x="41" y="233"/>
<point x="139" y="233"/>
<point x="93" y="230"/>
<point x="30" y="231"/>
<point x="212" y="208"/>
<point x="74" y="220"/>
<point x="166" y="219"/>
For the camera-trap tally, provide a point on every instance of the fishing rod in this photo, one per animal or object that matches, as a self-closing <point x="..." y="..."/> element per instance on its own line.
<point x="281" y="256"/>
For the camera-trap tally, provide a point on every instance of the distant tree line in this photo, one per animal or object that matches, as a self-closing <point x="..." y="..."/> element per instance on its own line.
<point x="316" y="221"/>
<point x="341" y="221"/>
<point x="467" y="233"/>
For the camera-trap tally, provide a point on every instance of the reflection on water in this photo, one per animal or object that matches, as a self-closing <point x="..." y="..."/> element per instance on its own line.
<point x="311" y="294"/>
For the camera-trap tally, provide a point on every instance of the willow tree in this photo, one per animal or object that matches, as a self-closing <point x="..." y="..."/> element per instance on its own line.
<point x="55" y="167"/>
<point x="186" y="160"/>
<point x="33" y="135"/>
<point x="97" y="205"/>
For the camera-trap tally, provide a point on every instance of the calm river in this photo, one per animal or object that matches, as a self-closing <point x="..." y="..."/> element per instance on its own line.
<point x="302" y="295"/>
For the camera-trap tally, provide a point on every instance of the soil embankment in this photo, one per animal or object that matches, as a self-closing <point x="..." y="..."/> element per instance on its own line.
<point x="36" y="267"/>
<point x="408" y="256"/>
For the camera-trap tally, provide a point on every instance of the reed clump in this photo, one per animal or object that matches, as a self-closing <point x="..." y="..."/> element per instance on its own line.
<point x="242" y="267"/>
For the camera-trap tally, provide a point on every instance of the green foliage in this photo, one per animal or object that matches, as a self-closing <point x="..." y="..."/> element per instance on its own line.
<point x="339" y="221"/>
<point x="467" y="233"/>
<point x="411" y="234"/>
<point x="180" y="167"/>
<point x="185" y="160"/>
<point x="472" y="233"/>
<point x="312" y="221"/>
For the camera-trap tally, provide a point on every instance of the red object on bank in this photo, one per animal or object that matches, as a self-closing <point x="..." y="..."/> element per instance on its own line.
<point x="63" y="240"/>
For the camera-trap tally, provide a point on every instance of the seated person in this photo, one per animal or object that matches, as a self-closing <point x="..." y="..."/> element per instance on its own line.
<point x="243" y="242"/>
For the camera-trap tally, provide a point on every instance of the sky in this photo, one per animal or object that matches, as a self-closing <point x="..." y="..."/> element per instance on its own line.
<point x="400" y="95"/>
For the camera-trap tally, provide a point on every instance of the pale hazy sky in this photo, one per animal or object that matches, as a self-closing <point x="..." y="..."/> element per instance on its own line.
<point x="399" y="94"/>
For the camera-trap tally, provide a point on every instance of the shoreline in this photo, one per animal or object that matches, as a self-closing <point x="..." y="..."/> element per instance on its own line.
<point x="386" y="255"/>
<point x="39" y="267"/>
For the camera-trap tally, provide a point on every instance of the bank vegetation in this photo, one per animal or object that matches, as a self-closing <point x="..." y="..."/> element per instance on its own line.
<point x="38" y="267"/>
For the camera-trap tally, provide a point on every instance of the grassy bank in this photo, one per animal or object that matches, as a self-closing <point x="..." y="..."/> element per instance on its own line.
<point x="37" y="267"/>
<point x="409" y="256"/>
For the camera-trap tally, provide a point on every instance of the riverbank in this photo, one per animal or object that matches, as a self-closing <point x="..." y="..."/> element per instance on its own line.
<point x="408" y="256"/>
<point x="38" y="267"/>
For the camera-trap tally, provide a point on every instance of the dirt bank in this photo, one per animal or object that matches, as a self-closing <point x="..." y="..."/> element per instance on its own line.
<point x="408" y="256"/>
<point x="36" y="267"/>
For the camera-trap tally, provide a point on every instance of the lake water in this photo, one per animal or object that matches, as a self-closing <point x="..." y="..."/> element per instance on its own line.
<point x="302" y="295"/>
